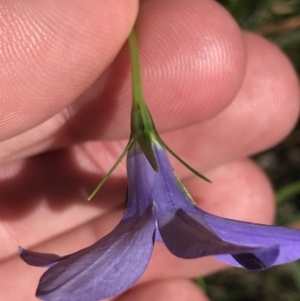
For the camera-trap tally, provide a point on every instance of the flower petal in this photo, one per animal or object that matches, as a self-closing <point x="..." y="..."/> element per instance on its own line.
<point x="40" y="259"/>
<point x="185" y="237"/>
<point x="140" y="181"/>
<point x="183" y="229"/>
<point x="106" y="268"/>
<point x="258" y="260"/>
<point x="158" y="236"/>
<point x="189" y="232"/>
<point x="254" y="235"/>
<point x="116" y="261"/>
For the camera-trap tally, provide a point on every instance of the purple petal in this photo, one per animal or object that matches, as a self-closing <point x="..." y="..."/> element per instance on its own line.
<point x="106" y="268"/>
<point x="40" y="259"/>
<point x="253" y="261"/>
<point x="158" y="236"/>
<point x="140" y="182"/>
<point x="259" y="259"/>
<point x="185" y="233"/>
<point x="115" y="262"/>
<point x="255" y="235"/>
<point x="185" y="237"/>
<point x="189" y="232"/>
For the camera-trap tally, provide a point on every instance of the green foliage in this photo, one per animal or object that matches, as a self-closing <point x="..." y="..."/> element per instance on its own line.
<point x="288" y="192"/>
<point x="249" y="14"/>
<point x="277" y="20"/>
<point x="277" y="284"/>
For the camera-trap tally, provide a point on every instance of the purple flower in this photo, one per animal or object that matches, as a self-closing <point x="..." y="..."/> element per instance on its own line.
<point x="158" y="209"/>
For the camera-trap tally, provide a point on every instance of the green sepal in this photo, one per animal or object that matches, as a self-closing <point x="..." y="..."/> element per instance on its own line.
<point x="131" y="141"/>
<point x="183" y="189"/>
<point x="145" y="143"/>
<point x="197" y="173"/>
<point x="143" y="131"/>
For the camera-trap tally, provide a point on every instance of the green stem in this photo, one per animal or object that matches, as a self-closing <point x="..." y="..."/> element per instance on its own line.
<point x="112" y="169"/>
<point x="141" y="118"/>
<point x="142" y="126"/>
<point x="136" y="70"/>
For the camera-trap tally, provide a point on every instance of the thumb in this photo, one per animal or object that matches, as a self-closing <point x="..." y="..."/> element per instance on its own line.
<point x="51" y="51"/>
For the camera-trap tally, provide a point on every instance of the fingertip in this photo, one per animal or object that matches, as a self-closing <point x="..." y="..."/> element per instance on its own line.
<point x="263" y="112"/>
<point x="273" y="80"/>
<point x="52" y="52"/>
<point x="193" y="59"/>
<point x="193" y="62"/>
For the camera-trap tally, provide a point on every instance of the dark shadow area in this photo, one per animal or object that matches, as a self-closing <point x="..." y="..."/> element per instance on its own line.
<point x="56" y="178"/>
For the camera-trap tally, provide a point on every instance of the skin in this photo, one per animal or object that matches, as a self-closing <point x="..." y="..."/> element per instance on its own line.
<point x="217" y="95"/>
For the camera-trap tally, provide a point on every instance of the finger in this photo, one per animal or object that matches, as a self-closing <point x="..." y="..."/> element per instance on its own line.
<point x="241" y="191"/>
<point x="263" y="113"/>
<point x="187" y="76"/>
<point x="173" y="289"/>
<point x="52" y="51"/>
<point x="13" y="287"/>
<point x="253" y="122"/>
<point x="270" y="109"/>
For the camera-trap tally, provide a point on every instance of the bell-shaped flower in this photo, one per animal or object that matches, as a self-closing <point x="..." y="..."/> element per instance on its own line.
<point x="158" y="208"/>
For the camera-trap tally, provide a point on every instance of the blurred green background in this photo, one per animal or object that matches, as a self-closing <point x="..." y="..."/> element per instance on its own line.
<point x="278" y="21"/>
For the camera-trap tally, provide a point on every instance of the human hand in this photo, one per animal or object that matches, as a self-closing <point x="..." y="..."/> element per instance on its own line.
<point x="219" y="94"/>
